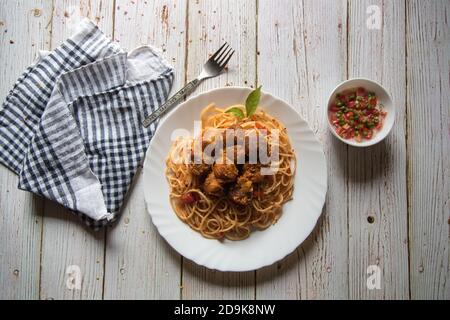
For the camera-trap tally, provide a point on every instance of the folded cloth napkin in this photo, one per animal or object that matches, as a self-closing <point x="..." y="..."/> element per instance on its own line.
<point x="71" y="126"/>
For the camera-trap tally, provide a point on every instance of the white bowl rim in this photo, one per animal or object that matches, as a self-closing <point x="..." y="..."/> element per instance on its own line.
<point x="369" y="142"/>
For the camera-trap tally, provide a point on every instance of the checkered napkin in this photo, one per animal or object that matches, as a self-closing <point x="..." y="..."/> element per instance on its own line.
<point x="71" y="126"/>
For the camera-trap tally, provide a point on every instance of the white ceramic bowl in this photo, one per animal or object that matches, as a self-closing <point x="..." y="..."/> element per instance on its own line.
<point x="383" y="97"/>
<point x="262" y="247"/>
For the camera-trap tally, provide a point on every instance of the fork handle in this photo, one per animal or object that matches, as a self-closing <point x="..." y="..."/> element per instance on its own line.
<point x="172" y="102"/>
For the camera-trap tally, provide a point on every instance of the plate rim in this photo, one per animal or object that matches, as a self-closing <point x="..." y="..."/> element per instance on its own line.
<point x="147" y="159"/>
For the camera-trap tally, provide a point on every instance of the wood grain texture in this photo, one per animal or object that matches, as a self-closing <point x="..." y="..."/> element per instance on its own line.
<point x="20" y="212"/>
<point x="66" y="241"/>
<point x="428" y="38"/>
<point x="301" y="60"/>
<point x="299" y="51"/>
<point x="139" y="263"/>
<point x="377" y="175"/>
<point x="211" y="23"/>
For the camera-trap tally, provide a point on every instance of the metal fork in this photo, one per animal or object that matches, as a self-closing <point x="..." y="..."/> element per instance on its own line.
<point x="213" y="67"/>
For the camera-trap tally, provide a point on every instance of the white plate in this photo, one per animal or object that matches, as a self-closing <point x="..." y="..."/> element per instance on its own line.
<point x="262" y="247"/>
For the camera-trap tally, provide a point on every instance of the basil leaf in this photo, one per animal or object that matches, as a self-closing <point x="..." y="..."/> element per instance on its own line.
<point x="236" y="112"/>
<point x="252" y="101"/>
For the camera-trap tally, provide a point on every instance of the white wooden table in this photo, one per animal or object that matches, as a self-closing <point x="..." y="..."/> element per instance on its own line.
<point x="387" y="205"/>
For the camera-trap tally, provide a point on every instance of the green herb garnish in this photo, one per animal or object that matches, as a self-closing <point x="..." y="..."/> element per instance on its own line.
<point x="236" y="112"/>
<point x="251" y="104"/>
<point x="252" y="101"/>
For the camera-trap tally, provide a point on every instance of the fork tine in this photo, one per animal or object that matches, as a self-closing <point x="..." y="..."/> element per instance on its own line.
<point x="225" y="61"/>
<point x="222" y="54"/>
<point x="218" y="51"/>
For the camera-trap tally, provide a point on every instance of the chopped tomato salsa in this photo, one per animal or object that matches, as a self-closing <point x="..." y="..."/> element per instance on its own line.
<point x="356" y="114"/>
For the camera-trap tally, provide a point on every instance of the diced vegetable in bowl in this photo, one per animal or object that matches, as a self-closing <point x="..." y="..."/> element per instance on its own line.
<point x="357" y="114"/>
<point x="360" y="115"/>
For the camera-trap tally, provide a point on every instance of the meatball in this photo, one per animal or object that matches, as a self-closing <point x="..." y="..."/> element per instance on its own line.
<point x="213" y="185"/>
<point x="259" y="148"/>
<point x="253" y="173"/>
<point x="200" y="169"/>
<point x="203" y="141"/>
<point x="225" y="172"/>
<point x="198" y="147"/>
<point x="235" y="153"/>
<point x="242" y="192"/>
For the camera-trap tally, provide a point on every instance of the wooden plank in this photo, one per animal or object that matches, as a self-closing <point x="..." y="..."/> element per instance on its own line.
<point x="211" y="23"/>
<point x="66" y="241"/>
<point x="301" y="60"/>
<point x="21" y="212"/>
<point x="428" y="112"/>
<point x="377" y="175"/>
<point x="139" y="263"/>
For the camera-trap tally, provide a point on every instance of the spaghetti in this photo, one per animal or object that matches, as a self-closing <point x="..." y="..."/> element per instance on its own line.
<point x="230" y="200"/>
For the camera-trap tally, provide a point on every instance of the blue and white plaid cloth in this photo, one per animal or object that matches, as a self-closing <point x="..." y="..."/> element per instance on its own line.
<point x="71" y="126"/>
